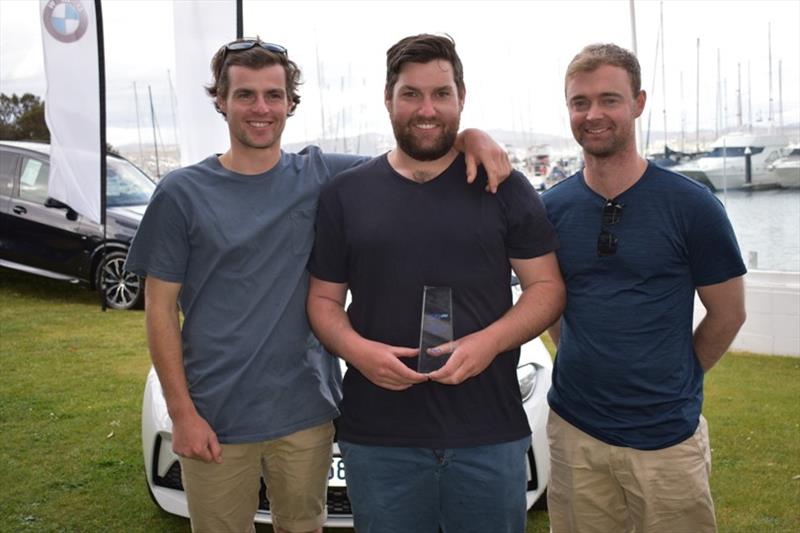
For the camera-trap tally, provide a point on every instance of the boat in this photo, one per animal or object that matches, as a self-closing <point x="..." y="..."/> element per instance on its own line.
<point x="724" y="166"/>
<point x="668" y="158"/>
<point x="786" y="170"/>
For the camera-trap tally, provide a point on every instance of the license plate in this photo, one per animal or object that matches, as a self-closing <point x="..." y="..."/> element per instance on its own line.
<point x="336" y="473"/>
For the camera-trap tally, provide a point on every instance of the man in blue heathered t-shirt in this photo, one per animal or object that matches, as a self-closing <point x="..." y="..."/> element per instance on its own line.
<point x="629" y="447"/>
<point x="249" y="390"/>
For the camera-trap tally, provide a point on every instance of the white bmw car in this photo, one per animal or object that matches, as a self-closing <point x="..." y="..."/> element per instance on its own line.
<point x="163" y="470"/>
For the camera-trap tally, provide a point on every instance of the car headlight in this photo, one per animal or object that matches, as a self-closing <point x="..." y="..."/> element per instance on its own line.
<point x="526" y="376"/>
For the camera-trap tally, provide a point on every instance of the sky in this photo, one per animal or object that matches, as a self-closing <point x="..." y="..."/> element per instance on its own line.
<point x="514" y="56"/>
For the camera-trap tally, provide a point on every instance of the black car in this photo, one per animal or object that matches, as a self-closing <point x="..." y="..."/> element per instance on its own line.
<point x="43" y="236"/>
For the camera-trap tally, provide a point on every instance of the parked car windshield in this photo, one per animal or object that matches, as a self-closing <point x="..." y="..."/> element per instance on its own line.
<point x="126" y="185"/>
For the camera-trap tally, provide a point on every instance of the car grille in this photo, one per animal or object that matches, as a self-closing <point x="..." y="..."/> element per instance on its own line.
<point x="338" y="503"/>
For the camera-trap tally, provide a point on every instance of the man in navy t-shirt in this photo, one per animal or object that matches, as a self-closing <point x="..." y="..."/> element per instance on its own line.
<point x="446" y="448"/>
<point x="629" y="447"/>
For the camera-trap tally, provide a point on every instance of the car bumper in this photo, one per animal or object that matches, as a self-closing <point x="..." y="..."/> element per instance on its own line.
<point x="162" y="467"/>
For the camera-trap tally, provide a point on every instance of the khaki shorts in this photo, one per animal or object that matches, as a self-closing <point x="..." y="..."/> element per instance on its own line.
<point x="224" y="497"/>
<point x="597" y="487"/>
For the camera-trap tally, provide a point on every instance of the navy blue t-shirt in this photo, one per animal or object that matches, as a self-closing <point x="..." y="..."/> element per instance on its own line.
<point x="387" y="237"/>
<point x="626" y="372"/>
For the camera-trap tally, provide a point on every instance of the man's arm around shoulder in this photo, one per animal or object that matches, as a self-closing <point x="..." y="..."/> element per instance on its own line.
<point x="192" y="437"/>
<point x="725" y="314"/>
<point x="541" y="303"/>
<point x="480" y="149"/>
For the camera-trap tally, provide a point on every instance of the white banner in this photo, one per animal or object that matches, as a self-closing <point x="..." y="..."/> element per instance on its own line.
<point x="200" y="29"/>
<point x="72" y="103"/>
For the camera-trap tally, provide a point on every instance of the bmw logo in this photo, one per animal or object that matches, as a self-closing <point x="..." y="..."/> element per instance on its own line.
<point x="65" y="20"/>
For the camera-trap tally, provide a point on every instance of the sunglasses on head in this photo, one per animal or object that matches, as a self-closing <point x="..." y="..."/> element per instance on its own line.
<point x="607" y="241"/>
<point x="247" y="44"/>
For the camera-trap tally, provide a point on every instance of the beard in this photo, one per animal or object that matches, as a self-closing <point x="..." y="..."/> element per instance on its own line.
<point x="604" y="148"/>
<point x="404" y="134"/>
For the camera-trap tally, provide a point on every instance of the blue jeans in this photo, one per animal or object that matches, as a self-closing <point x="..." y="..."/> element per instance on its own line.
<point x="402" y="490"/>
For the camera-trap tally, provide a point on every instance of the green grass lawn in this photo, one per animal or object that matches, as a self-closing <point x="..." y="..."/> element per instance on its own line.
<point x="71" y="382"/>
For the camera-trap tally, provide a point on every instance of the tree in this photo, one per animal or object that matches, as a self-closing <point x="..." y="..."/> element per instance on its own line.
<point x="22" y="118"/>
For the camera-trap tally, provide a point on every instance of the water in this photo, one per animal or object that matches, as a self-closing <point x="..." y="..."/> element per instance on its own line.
<point x="767" y="223"/>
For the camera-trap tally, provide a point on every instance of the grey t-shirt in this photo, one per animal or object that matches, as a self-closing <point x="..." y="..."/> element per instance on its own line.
<point x="239" y="246"/>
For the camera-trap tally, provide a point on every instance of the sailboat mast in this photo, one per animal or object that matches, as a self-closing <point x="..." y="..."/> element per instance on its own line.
<point x="321" y="88"/>
<point x="683" y="119"/>
<point x="749" y="99"/>
<point x="718" y="119"/>
<point x="780" y="95"/>
<point x="725" y="104"/>
<point x="769" y="45"/>
<point x="697" y="101"/>
<point x="172" y="106"/>
<point x="153" y="119"/>
<point x="138" y="124"/>
<point x="636" y="53"/>
<point x="739" y="96"/>
<point x="663" y="79"/>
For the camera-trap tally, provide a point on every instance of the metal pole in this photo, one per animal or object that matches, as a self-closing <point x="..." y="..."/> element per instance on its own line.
<point x="636" y="53"/>
<point x="725" y="171"/>
<point x="153" y="119"/>
<point x="697" y="101"/>
<point x="172" y="106"/>
<point x="239" y="20"/>
<point x="780" y="96"/>
<point x="748" y="166"/>
<point x="138" y="124"/>
<point x="769" y="44"/>
<point x="718" y="120"/>
<point x="739" y="96"/>
<point x="749" y="99"/>
<point x="683" y="119"/>
<point x="663" y="79"/>
<point x="101" y="64"/>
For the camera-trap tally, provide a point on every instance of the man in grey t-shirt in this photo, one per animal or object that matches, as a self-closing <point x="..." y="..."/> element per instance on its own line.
<point x="248" y="388"/>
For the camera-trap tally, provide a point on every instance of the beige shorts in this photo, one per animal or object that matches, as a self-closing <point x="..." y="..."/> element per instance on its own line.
<point x="597" y="487"/>
<point x="223" y="497"/>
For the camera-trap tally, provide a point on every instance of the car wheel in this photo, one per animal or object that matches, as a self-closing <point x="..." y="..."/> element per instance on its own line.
<point x="119" y="288"/>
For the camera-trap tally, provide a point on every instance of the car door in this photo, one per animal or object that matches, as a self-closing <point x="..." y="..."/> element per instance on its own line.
<point x="38" y="236"/>
<point x="9" y="166"/>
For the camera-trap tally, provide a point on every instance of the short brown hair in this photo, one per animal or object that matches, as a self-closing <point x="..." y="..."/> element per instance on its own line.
<point x="255" y="58"/>
<point x="422" y="48"/>
<point x="595" y="55"/>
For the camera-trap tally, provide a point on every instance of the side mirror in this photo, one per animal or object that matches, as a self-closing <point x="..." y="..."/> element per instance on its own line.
<point x="58" y="204"/>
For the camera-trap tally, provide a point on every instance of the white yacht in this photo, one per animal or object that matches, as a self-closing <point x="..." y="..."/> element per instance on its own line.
<point x="786" y="170"/>
<point x="724" y="166"/>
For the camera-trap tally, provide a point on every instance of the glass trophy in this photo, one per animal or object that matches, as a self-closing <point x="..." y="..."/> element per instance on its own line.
<point x="436" y="327"/>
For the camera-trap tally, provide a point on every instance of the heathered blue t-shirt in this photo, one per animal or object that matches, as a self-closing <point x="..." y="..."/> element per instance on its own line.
<point x="626" y="372"/>
<point x="239" y="246"/>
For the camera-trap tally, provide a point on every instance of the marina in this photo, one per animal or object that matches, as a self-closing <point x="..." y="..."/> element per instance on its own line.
<point x="767" y="225"/>
<point x="786" y="170"/>
<point x="742" y="160"/>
